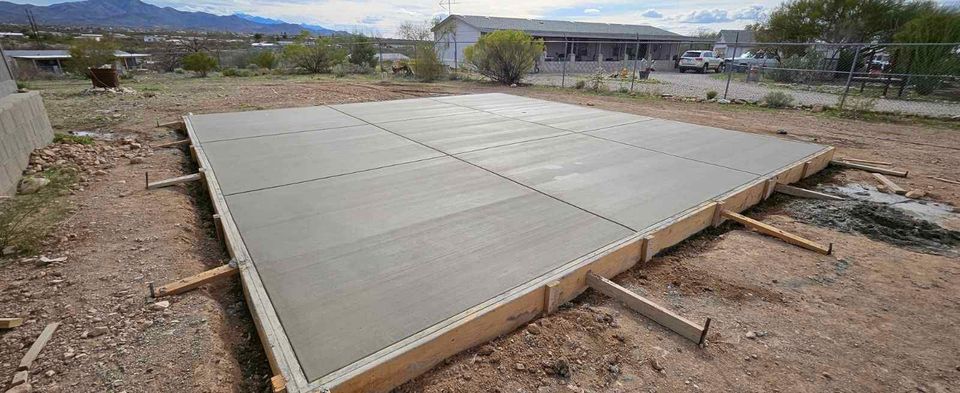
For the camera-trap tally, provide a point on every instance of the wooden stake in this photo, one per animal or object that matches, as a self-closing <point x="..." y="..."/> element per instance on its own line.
<point x="175" y="181"/>
<point x="278" y="384"/>
<point x="717" y="216"/>
<point x="37" y="346"/>
<point x="649" y="309"/>
<point x="944" y="180"/>
<point x="870" y="162"/>
<point x="189" y="283"/>
<point x="551" y="298"/>
<point x="805" y="193"/>
<point x="10" y="323"/>
<point x="218" y="227"/>
<point x="806" y="169"/>
<point x="778" y="233"/>
<point x="889" y="184"/>
<point x="173" y="125"/>
<point x="869" y="168"/>
<point x="645" y="247"/>
<point x="172" y="144"/>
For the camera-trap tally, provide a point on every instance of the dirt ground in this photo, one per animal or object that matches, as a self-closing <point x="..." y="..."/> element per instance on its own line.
<point x="873" y="317"/>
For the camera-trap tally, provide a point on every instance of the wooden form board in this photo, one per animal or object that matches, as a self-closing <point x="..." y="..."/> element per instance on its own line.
<point x="10" y="323"/>
<point x="408" y="358"/>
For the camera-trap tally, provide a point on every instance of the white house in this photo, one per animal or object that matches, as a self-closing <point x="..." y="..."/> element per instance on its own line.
<point x="733" y="43"/>
<point x="604" y="43"/>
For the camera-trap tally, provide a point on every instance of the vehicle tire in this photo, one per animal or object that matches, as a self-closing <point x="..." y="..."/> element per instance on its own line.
<point x="719" y="68"/>
<point x="683" y="70"/>
<point x="704" y="70"/>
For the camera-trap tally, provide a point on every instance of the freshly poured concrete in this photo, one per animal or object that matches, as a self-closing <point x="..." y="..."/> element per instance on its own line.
<point x="371" y="222"/>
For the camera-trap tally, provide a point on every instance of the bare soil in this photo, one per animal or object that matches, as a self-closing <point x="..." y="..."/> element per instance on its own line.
<point x="876" y="316"/>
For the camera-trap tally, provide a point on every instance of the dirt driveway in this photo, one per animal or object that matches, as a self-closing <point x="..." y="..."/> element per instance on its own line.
<point x="872" y="317"/>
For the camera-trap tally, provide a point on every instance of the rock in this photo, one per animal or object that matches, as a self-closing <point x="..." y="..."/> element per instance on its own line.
<point x="8" y="250"/>
<point x="486" y="350"/>
<point x="21" y="388"/>
<point x="723" y="101"/>
<point x="533" y="329"/>
<point x="30" y="185"/>
<point x="589" y="104"/>
<point x="136" y="160"/>
<point x="613" y="369"/>
<point x="520" y="367"/>
<point x="817" y="108"/>
<point x="44" y="261"/>
<point x="96" y="332"/>
<point x="781" y="132"/>
<point x="160" y="306"/>
<point x="751" y="335"/>
<point x="657" y="366"/>
<point x="50" y="373"/>
<point x="916" y="194"/>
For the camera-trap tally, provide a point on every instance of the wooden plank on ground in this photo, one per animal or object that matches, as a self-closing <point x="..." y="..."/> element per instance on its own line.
<point x="189" y="283"/>
<point x="944" y="180"/>
<point x="173" y="144"/>
<point x="37" y="346"/>
<point x="647" y="308"/>
<point x="551" y="297"/>
<point x="805" y="193"/>
<point x="10" y="323"/>
<point x="278" y="384"/>
<point x="889" y="184"/>
<point x="175" y="181"/>
<point x="869" y="168"/>
<point x="769" y="230"/>
<point x="173" y="125"/>
<point x="868" y="162"/>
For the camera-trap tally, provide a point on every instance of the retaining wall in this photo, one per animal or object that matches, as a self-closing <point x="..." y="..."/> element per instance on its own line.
<point x="24" y="126"/>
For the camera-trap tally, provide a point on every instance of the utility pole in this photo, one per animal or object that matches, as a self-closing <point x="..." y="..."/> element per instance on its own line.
<point x="33" y="26"/>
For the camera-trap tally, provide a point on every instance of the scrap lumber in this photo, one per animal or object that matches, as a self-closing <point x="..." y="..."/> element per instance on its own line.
<point x="804" y="193"/>
<point x="10" y="323"/>
<point x="889" y="184"/>
<point x="649" y="309"/>
<point x="174" y="143"/>
<point x="192" y="282"/>
<point x="551" y="297"/>
<point x="868" y="162"/>
<point x="278" y="384"/>
<point x="173" y="125"/>
<point x="37" y="346"/>
<point x="769" y="230"/>
<point x="944" y="180"/>
<point x="869" y="168"/>
<point x="175" y="181"/>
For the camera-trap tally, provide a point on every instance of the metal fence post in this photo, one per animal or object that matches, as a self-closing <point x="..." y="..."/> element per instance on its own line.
<point x="563" y="67"/>
<point x="636" y="58"/>
<point x="380" y="51"/>
<point x="853" y="66"/>
<point x="730" y="71"/>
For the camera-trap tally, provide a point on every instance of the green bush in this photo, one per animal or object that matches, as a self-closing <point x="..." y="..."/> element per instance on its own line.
<point x="86" y="54"/>
<point x="362" y="51"/>
<point x="238" y="72"/>
<point x="341" y="70"/>
<point x="711" y="95"/>
<point x="199" y="62"/>
<point x="315" y="59"/>
<point x="505" y="55"/>
<point x="933" y="26"/>
<point x="598" y="81"/>
<point x="798" y="69"/>
<point x="426" y="64"/>
<point x="580" y="84"/>
<point x="27" y="219"/>
<point x="264" y="59"/>
<point x="778" y="99"/>
<point x="69" y="138"/>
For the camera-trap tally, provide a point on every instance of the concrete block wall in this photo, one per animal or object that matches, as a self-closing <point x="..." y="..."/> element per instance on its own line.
<point x="24" y="126"/>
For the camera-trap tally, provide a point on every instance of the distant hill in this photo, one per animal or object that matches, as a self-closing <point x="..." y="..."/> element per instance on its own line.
<point x="136" y="14"/>
<point x="315" y="29"/>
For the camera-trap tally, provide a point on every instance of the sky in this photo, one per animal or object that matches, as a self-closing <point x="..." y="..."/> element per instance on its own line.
<point x="381" y="17"/>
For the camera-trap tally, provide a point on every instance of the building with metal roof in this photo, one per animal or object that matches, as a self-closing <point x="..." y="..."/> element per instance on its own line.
<point x="52" y="60"/>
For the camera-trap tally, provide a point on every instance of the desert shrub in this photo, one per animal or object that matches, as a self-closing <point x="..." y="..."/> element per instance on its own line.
<point x="778" y="99"/>
<point x="199" y="62"/>
<point x="264" y="59"/>
<point x="238" y="72"/>
<point x="857" y="105"/>
<point x="426" y="64"/>
<point x="340" y="70"/>
<point x="711" y="95"/>
<point x="598" y="80"/>
<point x="941" y="26"/>
<point x="70" y="138"/>
<point x="27" y="219"/>
<point x="362" y="51"/>
<point x="505" y="55"/>
<point x="798" y="69"/>
<point x="580" y="84"/>
<point x="315" y="59"/>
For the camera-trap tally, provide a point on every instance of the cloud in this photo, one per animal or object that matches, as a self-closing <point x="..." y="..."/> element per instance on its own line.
<point x="591" y="11"/>
<point x="652" y="14"/>
<point x="753" y="12"/>
<point x="716" y="15"/>
<point x="371" y="20"/>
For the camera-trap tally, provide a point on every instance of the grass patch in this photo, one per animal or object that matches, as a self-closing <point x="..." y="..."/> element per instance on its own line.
<point x="27" y="219"/>
<point x="68" y="138"/>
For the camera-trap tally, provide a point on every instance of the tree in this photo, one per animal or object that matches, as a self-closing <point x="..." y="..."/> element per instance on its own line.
<point x="426" y="64"/>
<point x="199" y="62"/>
<point x="362" y="51"/>
<point x="257" y="37"/>
<point x="86" y="54"/>
<point x="929" y="61"/>
<point x="314" y="58"/>
<point x="840" y="21"/>
<point x="504" y="55"/>
<point x="265" y="59"/>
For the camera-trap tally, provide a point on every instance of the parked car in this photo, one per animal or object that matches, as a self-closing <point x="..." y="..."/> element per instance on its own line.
<point x="751" y="59"/>
<point x="700" y="61"/>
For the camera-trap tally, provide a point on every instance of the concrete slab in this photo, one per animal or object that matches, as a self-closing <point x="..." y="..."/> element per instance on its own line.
<point x="757" y="154"/>
<point x="417" y="108"/>
<point x="634" y="187"/>
<point x="472" y="131"/>
<point x="355" y="263"/>
<point x="223" y="126"/>
<point x="254" y="163"/>
<point x="566" y="117"/>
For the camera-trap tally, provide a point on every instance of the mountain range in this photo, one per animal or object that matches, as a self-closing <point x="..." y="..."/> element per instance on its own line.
<point x="135" y="14"/>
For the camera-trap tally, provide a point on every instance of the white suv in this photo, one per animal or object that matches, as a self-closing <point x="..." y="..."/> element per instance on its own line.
<point x="700" y="61"/>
